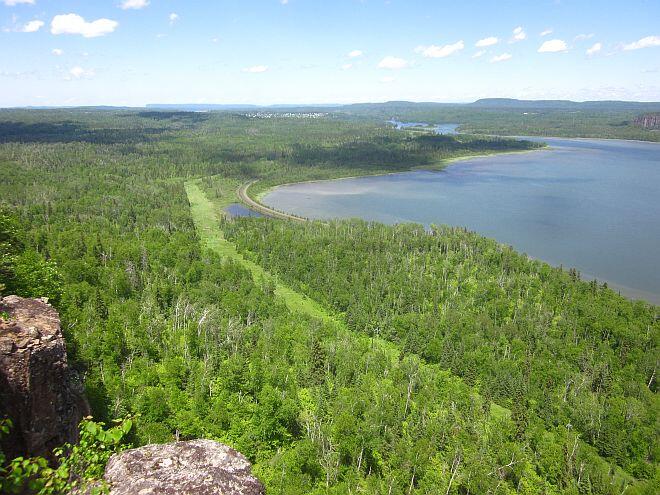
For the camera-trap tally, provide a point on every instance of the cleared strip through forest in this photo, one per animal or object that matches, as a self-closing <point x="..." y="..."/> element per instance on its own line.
<point x="207" y="223"/>
<point x="206" y="218"/>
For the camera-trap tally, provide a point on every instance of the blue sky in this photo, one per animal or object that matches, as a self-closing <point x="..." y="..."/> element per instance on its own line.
<point x="133" y="52"/>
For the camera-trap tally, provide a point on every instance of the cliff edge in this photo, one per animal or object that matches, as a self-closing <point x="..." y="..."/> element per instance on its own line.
<point x="41" y="394"/>
<point x="44" y="398"/>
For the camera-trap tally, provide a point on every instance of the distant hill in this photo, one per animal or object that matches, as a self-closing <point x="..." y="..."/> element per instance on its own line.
<point x="198" y="107"/>
<point x="207" y="107"/>
<point x="510" y="103"/>
<point x="393" y="107"/>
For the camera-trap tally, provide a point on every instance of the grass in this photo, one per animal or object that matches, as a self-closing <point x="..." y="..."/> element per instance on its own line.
<point x="206" y="216"/>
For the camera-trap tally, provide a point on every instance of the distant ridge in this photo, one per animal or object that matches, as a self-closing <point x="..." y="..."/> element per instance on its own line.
<point x="486" y="103"/>
<point x="389" y="106"/>
<point x="196" y="107"/>
<point x="512" y="103"/>
<point x="205" y="107"/>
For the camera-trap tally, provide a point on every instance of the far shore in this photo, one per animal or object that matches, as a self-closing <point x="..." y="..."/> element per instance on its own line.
<point x="436" y="167"/>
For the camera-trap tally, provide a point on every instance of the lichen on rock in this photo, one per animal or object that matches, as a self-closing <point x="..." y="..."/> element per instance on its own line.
<point x="199" y="467"/>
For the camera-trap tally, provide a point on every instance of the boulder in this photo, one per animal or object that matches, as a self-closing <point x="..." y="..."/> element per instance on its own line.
<point x="198" y="467"/>
<point x="39" y="392"/>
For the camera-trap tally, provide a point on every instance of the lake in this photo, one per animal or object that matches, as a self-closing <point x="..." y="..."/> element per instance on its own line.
<point x="436" y="128"/>
<point x="589" y="204"/>
<point x="238" y="210"/>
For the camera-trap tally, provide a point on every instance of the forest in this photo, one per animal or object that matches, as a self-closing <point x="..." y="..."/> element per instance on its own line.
<point x="442" y="362"/>
<point x="522" y="118"/>
<point x="492" y="116"/>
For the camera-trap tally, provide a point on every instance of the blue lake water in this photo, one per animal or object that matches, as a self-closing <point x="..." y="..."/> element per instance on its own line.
<point x="589" y="204"/>
<point x="238" y="210"/>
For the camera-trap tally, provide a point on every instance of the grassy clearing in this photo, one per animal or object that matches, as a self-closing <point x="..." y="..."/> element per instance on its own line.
<point x="206" y="216"/>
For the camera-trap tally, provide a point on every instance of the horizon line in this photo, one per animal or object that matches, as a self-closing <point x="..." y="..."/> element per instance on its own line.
<point x="329" y="105"/>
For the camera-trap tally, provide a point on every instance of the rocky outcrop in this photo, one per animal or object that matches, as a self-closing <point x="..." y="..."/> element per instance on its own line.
<point x="199" y="467"/>
<point x="44" y="398"/>
<point x="648" y="121"/>
<point x="39" y="392"/>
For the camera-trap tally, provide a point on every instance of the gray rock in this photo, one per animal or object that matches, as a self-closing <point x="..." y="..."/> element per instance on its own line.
<point x="198" y="467"/>
<point x="39" y="392"/>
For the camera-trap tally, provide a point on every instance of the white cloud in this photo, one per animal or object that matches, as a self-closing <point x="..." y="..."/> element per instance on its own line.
<point x="480" y="53"/>
<point x="392" y="63"/>
<point x="346" y="66"/>
<point x="581" y="37"/>
<point x="78" y="72"/>
<point x="256" y="69"/>
<point x="387" y="79"/>
<point x="519" y="34"/>
<point x="546" y="32"/>
<point x="173" y="17"/>
<point x="647" y="42"/>
<point x="434" y="51"/>
<point x="490" y="41"/>
<point x="134" y="4"/>
<point x="355" y="53"/>
<point x="11" y="3"/>
<point x="74" y="24"/>
<point x="32" y="26"/>
<point x="594" y="49"/>
<point x="284" y="2"/>
<point x="57" y="52"/>
<point x="501" y="58"/>
<point x="553" y="46"/>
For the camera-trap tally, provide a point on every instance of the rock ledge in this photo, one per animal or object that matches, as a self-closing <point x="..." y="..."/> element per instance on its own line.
<point x="195" y="467"/>
<point x="39" y="392"/>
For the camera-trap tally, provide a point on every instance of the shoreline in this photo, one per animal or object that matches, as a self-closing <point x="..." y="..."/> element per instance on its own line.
<point x="575" y="138"/>
<point x="623" y="290"/>
<point x="448" y="161"/>
<point x="257" y="206"/>
<point x="432" y="168"/>
<point x="514" y="136"/>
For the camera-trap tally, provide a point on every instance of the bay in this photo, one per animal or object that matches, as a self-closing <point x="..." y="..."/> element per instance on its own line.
<point x="584" y="203"/>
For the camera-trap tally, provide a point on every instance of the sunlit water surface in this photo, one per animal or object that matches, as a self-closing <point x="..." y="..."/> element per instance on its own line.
<point x="589" y="204"/>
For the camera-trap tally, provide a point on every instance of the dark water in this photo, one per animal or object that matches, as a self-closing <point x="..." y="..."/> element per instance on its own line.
<point x="437" y="128"/>
<point x="589" y="204"/>
<point x="238" y="210"/>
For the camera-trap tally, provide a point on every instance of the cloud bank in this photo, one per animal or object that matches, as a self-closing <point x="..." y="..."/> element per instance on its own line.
<point x="11" y="3"/>
<point x="75" y="24"/>
<point x="501" y="58"/>
<point x="490" y="41"/>
<point x="133" y="4"/>
<point x="647" y="42"/>
<point x="392" y="63"/>
<point x="553" y="46"/>
<point x="594" y="49"/>
<point x="32" y="26"/>
<point x="434" y="51"/>
<point x="519" y="34"/>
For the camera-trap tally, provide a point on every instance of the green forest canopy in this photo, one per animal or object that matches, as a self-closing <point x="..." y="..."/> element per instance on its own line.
<point x="505" y="376"/>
